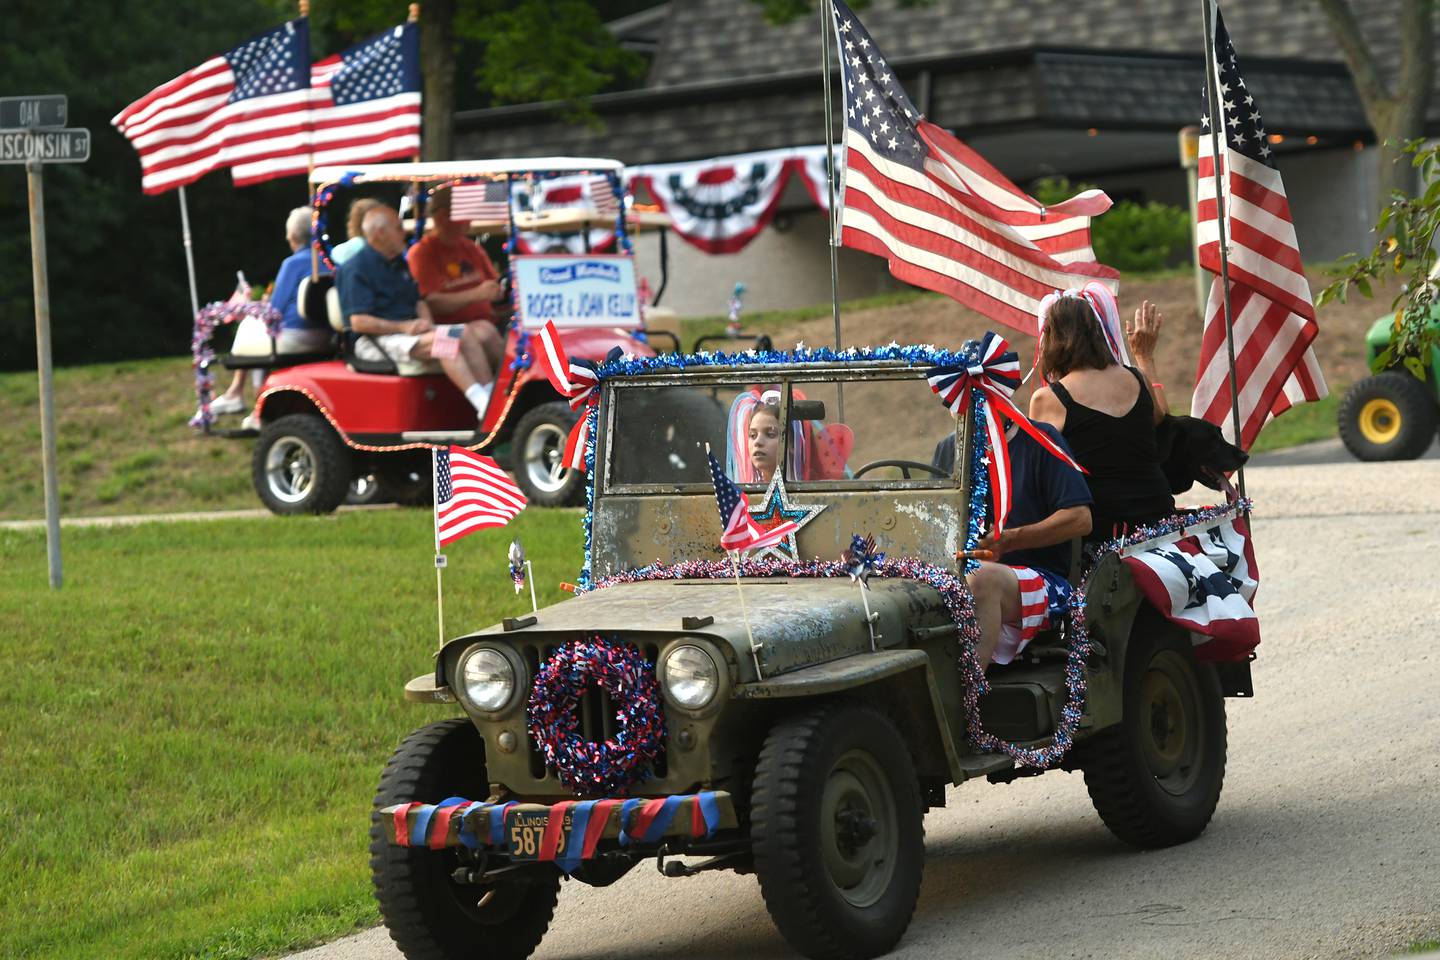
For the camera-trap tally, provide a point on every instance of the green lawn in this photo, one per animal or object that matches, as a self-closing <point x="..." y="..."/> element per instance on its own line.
<point x="194" y="725"/>
<point x="1302" y="424"/>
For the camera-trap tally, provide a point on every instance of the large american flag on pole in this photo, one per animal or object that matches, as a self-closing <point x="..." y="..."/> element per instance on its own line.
<point x="471" y="493"/>
<point x="945" y="218"/>
<point x="364" y="107"/>
<point x="248" y="102"/>
<point x="740" y="531"/>
<point x="1274" y="318"/>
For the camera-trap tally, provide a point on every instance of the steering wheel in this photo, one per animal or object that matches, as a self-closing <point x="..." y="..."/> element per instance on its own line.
<point x="904" y="466"/>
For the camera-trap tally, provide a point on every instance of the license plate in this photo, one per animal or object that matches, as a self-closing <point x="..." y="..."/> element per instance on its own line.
<point x="526" y="831"/>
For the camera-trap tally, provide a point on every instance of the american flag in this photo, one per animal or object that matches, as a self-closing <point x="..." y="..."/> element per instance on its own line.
<point x="364" y="108"/>
<point x="487" y="202"/>
<point x="1274" y="318"/>
<point x="471" y="493"/>
<point x="248" y="102"/>
<point x="944" y="218"/>
<point x="741" y="531"/>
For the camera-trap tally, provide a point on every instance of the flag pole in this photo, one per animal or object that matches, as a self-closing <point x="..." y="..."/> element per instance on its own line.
<point x="827" y="27"/>
<point x="189" y="251"/>
<point x="1217" y="119"/>
<point x="530" y="575"/>
<point x="745" y="613"/>
<point x="439" y="557"/>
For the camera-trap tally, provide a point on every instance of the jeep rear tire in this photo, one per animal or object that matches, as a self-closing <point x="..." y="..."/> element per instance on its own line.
<point x="837" y="830"/>
<point x="537" y="452"/>
<point x="1155" y="777"/>
<point x="1390" y="416"/>
<point x="300" y="465"/>
<point x="428" y="914"/>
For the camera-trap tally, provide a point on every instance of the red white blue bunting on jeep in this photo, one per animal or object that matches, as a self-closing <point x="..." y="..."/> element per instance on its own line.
<point x="565" y="833"/>
<point x="1205" y="582"/>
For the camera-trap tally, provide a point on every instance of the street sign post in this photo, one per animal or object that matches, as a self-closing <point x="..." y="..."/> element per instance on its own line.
<point x="29" y="135"/>
<point x="24" y="113"/>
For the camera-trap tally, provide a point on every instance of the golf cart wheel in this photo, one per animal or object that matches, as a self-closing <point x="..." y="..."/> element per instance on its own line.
<point x="300" y="465"/>
<point x="537" y="453"/>
<point x="406" y="479"/>
<point x="1155" y="777"/>
<point x="364" y="489"/>
<point x="1390" y="416"/>
<point x="838" y="834"/>
<point x="428" y="914"/>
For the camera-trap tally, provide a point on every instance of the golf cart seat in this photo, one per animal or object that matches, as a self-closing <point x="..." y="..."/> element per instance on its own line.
<point x="321" y="295"/>
<point x="253" y="349"/>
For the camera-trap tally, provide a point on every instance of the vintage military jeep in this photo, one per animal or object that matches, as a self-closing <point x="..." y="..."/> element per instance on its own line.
<point x="810" y="758"/>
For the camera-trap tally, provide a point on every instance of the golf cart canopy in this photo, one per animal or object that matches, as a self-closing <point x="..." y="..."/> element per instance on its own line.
<point x="462" y="169"/>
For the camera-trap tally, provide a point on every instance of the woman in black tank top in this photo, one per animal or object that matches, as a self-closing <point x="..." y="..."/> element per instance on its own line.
<point x="1118" y="451"/>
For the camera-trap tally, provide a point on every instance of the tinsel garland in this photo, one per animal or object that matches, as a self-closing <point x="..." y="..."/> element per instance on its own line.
<point x="1173" y="525"/>
<point x="552" y="713"/>
<point x="213" y="315"/>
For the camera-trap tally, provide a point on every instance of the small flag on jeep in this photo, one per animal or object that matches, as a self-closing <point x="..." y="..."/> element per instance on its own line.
<point x="740" y="531"/>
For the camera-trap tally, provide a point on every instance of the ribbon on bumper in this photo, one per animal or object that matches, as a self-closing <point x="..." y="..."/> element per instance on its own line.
<point x="577" y="382"/>
<point x="994" y="375"/>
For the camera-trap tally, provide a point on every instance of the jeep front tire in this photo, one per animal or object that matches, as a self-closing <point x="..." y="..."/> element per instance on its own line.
<point x="837" y="831"/>
<point x="428" y="914"/>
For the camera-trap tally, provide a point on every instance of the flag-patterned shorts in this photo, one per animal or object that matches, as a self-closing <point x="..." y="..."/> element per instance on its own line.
<point x="1041" y="593"/>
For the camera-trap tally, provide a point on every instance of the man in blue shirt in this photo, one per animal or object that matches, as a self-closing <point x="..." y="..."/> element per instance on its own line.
<point x="1050" y="507"/>
<point x="381" y="302"/>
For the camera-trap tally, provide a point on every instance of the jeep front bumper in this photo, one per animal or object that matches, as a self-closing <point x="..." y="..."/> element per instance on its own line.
<point x="566" y="832"/>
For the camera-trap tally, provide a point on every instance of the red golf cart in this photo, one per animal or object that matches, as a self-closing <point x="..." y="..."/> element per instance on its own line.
<point x="324" y="421"/>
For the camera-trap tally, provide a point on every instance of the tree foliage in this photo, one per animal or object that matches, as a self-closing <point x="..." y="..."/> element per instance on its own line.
<point x="1407" y="231"/>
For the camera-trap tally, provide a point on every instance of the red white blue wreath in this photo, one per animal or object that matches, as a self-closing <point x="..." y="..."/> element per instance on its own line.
<point x="608" y="766"/>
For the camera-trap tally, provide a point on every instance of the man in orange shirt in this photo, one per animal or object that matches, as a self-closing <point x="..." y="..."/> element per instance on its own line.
<point x="456" y="279"/>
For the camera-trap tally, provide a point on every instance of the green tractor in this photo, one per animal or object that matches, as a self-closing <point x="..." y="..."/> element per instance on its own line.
<point x="1392" y="415"/>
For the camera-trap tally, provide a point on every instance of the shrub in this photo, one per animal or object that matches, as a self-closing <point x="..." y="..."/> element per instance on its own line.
<point x="1129" y="236"/>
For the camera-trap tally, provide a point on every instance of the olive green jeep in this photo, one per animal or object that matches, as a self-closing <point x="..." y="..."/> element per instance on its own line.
<point x="802" y="728"/>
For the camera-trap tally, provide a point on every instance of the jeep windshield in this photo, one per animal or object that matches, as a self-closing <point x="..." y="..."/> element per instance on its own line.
<point x="890" y="431"/>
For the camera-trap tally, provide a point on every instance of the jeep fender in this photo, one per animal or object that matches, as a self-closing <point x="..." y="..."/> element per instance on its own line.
<point x="899" y="682"/>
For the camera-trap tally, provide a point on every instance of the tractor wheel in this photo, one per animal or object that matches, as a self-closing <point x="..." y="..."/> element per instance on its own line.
<point x="537" y="452"/>
<point x="300" y="465"/>
<point x="1155" y="777"/>
<point x="428" y="914"/>
<point x="838" y="834"/>
<point x="1390" y="416"/>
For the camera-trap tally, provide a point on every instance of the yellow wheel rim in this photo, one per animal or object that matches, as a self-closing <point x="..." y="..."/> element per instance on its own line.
<point x="1380" y="421"/>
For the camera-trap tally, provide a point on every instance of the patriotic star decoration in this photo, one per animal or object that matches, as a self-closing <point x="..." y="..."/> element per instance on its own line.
<point x="886" y="117"/>
<point x="1240" y="121"/>
<point x="775" y="509"/>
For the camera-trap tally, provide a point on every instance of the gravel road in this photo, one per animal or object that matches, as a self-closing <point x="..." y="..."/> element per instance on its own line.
<point x="1325" y="842"/>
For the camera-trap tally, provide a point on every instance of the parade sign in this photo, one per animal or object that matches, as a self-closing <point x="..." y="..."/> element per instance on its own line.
<point x="29" y="112"/>
<point x="576" y="291"/>
<point x="71" y="145"/>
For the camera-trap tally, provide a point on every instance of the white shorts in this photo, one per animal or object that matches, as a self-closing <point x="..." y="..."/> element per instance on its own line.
<point x="396" y="348"/>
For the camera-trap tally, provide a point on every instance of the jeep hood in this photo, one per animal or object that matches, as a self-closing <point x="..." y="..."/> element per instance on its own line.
<point x="796" y="622"/>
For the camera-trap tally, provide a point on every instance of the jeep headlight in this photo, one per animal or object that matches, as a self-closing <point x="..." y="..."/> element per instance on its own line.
<point x="487" y="678"/>
<point x="690" y="676"/>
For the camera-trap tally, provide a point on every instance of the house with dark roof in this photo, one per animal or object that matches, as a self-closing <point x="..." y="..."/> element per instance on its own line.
<point x="1094" y="91"/>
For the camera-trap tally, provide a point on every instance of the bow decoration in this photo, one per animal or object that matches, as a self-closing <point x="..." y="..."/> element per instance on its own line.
<point x="861" y="561"/>
<point x="576" y="381"/>
<point x="993" y="374"/>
